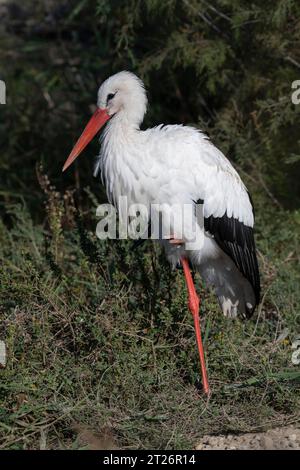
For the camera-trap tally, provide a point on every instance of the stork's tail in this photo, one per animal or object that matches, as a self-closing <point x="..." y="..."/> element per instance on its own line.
<point x="234" y="291"/>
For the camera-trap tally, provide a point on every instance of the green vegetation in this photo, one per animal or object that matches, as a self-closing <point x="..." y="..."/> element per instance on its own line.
<point x="99" y="338"/>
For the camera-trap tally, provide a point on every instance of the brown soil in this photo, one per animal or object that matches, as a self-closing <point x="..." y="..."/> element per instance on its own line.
<point x="277" y="439"/>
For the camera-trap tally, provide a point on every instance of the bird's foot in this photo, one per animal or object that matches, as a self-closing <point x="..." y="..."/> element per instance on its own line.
<point x="176" y="241"/>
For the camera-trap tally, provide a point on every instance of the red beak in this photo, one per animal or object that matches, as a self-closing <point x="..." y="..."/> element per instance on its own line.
<point x="99" y="118"/>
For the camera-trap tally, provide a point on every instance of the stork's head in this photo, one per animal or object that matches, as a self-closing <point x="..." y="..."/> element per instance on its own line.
<point x="122" y="96"/>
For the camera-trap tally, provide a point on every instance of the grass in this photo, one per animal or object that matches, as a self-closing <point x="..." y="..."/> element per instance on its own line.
<point x="101" y="346"/>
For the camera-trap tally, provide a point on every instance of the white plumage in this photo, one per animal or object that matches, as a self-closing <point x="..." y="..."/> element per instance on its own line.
<point x="178" y="164"/>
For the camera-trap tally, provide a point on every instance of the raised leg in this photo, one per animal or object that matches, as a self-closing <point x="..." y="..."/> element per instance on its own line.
<point x="193" y="304"/>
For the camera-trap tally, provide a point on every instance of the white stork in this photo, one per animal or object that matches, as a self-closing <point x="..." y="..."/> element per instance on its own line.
<point x="178" y="164"/>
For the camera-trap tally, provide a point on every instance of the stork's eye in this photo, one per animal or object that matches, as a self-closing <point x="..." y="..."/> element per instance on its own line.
<point x="109" y="97"/>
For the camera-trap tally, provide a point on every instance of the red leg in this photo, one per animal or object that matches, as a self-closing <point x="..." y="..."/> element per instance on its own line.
<point x="194" y="308"/>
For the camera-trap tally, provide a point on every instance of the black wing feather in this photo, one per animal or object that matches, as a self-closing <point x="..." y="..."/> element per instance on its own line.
<point x="237" y="241"/>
